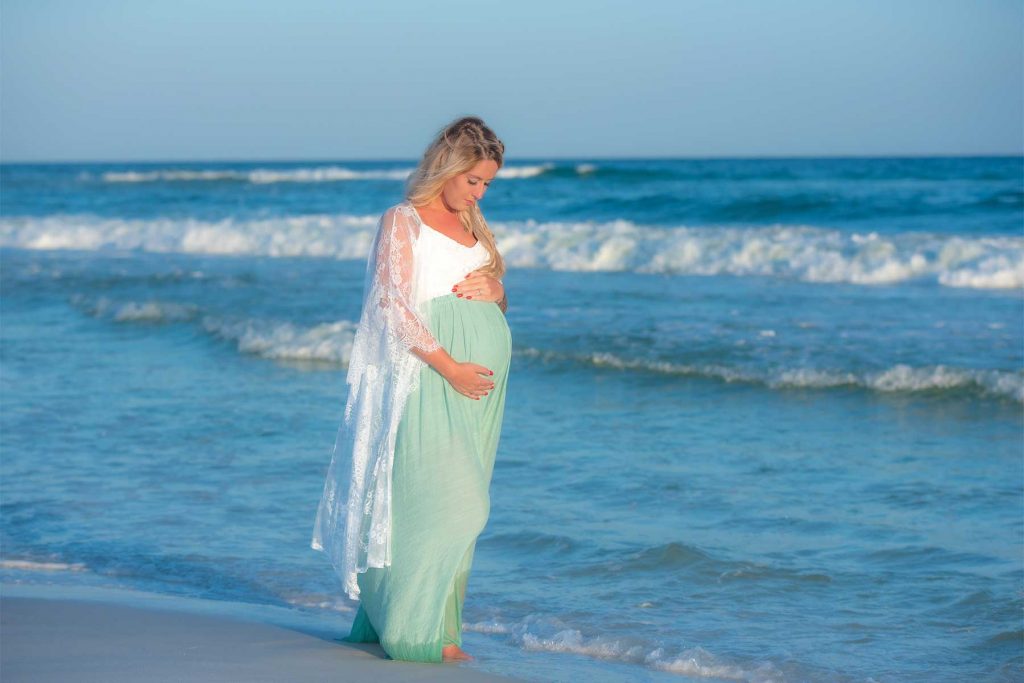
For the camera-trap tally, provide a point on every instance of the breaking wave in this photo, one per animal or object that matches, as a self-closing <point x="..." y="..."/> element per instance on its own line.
<point x="36" y="566"/>
<point x="263" y="176"/>
<point x="898" y="378"/>
<point x="329" y="342"/>
<point x="325" y="343"/>
<point x="805" y="253"/>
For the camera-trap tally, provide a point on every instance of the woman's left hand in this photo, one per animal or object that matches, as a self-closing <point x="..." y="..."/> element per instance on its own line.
<point x="480" y="287"/>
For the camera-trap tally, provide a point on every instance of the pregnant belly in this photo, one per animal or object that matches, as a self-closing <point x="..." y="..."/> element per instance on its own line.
<point x="473" y="331"/>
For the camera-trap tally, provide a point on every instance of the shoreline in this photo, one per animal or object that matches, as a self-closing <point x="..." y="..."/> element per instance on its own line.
<point x="60" y="633"/>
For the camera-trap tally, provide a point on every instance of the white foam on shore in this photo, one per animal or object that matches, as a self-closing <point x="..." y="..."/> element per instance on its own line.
<point x="898" y="378"/>
<point x="547" y="634"/>
<point x="331" y="603"/>
<point x="803" y="253"/>
<point x="699" y="663"/>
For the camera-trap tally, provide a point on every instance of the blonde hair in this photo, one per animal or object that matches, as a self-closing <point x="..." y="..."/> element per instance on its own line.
<point x="460" y="146"/>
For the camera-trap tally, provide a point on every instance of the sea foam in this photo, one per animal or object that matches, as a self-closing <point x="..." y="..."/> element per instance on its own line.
<point x="897" y="378"/>
<point x="804" y="253"/>
<point x="549" y="634"/>
<point x="36" y="566"/>
<point x="328" y="343"/>
<point x="264" y="176"/>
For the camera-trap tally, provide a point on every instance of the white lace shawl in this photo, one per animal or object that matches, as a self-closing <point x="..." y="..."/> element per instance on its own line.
<point x="355" y="530"/>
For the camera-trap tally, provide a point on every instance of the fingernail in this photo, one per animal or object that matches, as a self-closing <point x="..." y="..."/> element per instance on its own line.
<point x="490" y="372"/>
<point x="454" y="288"/>
<point x="458" y="295"/>
<point x="469" y="297"/>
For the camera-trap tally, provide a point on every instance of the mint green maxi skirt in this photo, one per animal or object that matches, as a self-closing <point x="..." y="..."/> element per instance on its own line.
<point x="444" y="457"/>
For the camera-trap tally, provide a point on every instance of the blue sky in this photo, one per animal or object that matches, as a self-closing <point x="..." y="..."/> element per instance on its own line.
<point x="311" y="79"/>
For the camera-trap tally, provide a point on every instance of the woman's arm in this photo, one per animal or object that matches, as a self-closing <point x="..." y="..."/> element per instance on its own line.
<point x="392" y="273"/>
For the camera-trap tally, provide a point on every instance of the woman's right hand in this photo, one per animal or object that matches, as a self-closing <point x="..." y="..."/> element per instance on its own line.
<point x="470" y="379"/>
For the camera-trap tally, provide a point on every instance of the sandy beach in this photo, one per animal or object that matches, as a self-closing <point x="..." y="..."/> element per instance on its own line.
<point x="56" y="633"/>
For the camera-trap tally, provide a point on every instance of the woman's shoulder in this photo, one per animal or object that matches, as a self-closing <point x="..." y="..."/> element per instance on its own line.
<point x="403" y="210"/>
<point x="404" y="207"/>
<point x="401" y="220"/>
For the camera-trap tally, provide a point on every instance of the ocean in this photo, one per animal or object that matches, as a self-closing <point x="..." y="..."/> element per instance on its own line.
<point x="764" y="422"/>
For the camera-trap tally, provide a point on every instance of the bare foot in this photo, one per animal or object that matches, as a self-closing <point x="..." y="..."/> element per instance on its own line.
<point x="454" y="653"/>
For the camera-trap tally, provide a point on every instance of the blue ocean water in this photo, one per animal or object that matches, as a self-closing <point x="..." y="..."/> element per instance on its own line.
<point x="764" y="421"/>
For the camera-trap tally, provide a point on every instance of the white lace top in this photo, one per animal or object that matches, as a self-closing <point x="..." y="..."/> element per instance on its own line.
<point x="443" y="262"/>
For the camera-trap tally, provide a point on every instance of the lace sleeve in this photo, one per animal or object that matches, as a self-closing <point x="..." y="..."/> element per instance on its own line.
<point x="393" y="282"/>
<point x="353" y="521"/>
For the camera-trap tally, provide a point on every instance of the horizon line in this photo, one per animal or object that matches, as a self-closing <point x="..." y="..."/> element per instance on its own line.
<point x="507" y="160"/>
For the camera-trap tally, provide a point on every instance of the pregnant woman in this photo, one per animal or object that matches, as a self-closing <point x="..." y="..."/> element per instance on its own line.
<point x="406" y="494"/>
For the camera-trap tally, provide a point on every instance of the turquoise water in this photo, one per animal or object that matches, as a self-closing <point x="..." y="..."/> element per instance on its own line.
<point x="764" y="417"/>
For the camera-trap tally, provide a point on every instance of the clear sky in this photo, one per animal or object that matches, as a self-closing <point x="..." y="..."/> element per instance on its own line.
<point x="338" y="79"/>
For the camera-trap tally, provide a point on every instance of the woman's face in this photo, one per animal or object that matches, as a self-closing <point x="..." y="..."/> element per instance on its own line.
<point x="466" y="189"/>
